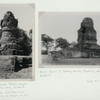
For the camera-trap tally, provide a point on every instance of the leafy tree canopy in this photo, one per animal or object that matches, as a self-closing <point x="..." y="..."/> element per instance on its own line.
<point x="62" y="43"/>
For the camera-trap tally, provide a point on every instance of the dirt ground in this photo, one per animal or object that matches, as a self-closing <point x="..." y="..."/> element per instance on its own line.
<point x="46" y="60"/>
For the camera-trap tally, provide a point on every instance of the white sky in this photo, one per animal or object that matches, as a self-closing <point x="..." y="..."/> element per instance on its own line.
<point x="23" y="12"/>
<point x="66" y="25"/>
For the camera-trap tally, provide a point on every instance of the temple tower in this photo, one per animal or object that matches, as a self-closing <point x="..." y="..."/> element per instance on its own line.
<point x="13" y="41"/>
<point x="87" y="39"/>
<point x="87" y="33"/>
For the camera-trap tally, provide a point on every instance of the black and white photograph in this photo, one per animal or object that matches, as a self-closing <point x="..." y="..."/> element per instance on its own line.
<point x="17" y="24"/>
<point x="69" y="38"/>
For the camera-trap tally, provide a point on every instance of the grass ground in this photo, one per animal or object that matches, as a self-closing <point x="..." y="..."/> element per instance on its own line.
<point x="46" y="60"/>
<point x="25" y="73"/>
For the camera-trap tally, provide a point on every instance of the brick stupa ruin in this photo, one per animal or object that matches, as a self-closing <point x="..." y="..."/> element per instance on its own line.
<point x="15" y="45"/>
<point x="13" y="41"/>
<point x="87" y="39"/>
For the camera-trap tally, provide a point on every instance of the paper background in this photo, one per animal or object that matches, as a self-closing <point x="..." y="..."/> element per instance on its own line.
<point x="59" y="83"/>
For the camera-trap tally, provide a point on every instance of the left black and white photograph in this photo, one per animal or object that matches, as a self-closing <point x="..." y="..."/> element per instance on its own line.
<point x="17" y="24"/>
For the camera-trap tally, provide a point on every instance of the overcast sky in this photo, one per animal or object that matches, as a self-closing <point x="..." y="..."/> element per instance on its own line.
<point x="66" y="25"/>
<point x="23" y="12"/>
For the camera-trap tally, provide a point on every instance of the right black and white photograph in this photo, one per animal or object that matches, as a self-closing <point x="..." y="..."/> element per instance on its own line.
<point x="69" y="38"/>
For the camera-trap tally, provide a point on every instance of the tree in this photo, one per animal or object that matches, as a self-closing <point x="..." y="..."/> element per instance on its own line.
<point x="24" y="41"/>
<point x="73" y="44"/>
<point x="30" y="33"/>
<point x="46" y="41"/>
<point x="62" y="43"/>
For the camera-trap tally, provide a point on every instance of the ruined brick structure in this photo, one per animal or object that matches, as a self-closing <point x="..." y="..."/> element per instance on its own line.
<point x="87" y="39"/>
<point x="13" y="40"/>
<point x="15" y="43"/>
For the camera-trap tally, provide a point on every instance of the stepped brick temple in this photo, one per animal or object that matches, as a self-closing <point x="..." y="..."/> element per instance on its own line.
<point x="87" y="39"/>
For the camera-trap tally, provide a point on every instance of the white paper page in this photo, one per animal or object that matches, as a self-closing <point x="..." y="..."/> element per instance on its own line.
<point x="55" y="83"/>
